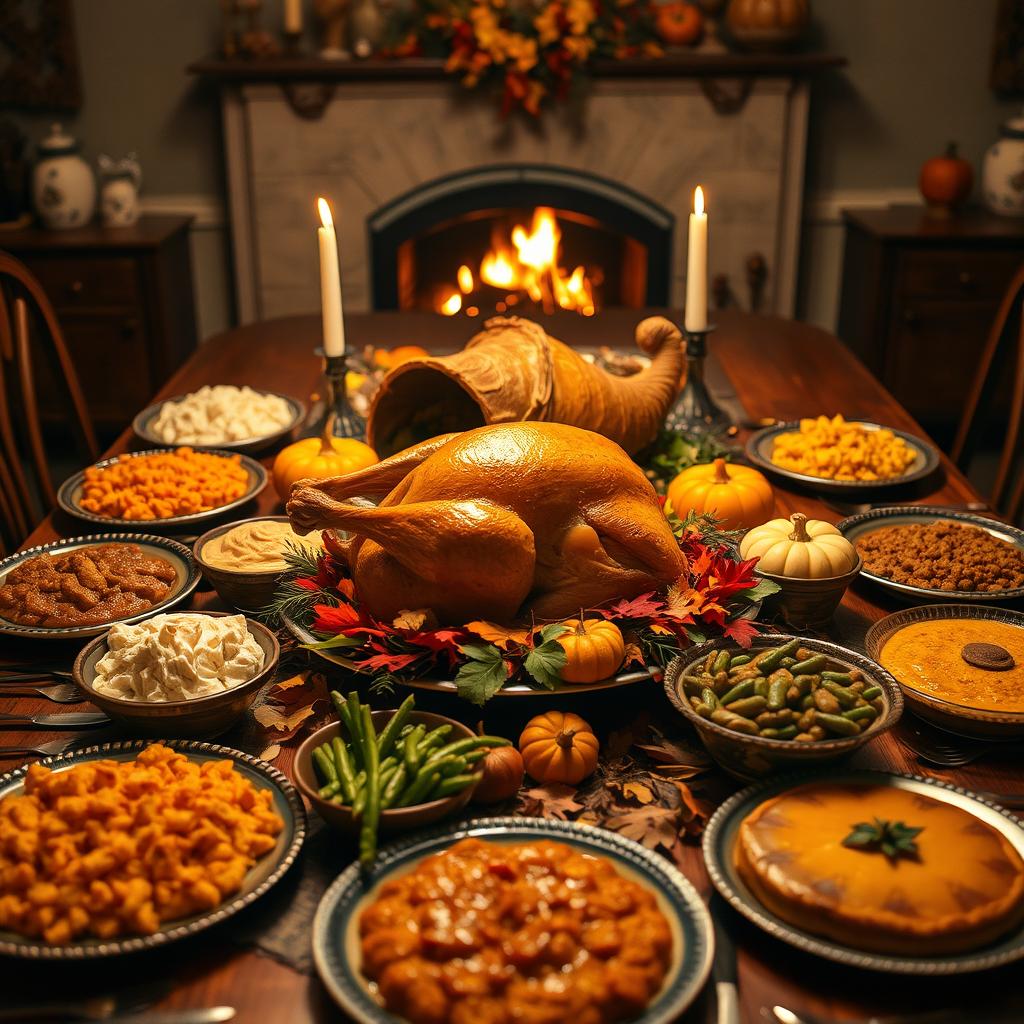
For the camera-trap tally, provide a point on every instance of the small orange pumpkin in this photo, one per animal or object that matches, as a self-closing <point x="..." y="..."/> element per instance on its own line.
<point x="559" y="746"/>
<point x="318" y="458"/>
<point x="501" y="775"/>
<point x="594" y="650"/>
<point x="390" y="358"/>
<point x="739" y="496"/>
<point x="678" y="23"/>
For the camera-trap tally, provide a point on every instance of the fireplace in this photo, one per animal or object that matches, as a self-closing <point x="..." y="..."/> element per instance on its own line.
<point x="520" y="238"/>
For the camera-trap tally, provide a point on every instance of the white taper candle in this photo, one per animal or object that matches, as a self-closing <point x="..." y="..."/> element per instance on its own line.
<point x="330" y="283"/>
<point x="696" y="313"/>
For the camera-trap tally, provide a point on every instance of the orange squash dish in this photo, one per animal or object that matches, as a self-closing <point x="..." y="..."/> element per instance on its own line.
<point x="928" y="657"/>
<point x="962" y="886"/>
<point x="532" y="933"/>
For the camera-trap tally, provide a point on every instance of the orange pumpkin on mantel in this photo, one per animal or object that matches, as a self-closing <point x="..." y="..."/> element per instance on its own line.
<point x="945" y="181"/>
<point x="678" y="23"/>
<point x="558" y="746"/>
<point x="767" y="24"/>
<point x="738" y="496"/>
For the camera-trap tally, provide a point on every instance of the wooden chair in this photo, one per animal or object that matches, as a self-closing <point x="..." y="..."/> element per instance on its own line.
<point x="29" y="332"/>
<point x="1003" y="351"/>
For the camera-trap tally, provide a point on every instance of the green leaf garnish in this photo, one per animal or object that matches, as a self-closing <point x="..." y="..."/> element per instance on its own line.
<point x="483" y="675"/>
<point x="893" y="838"/>
<point x="547" y="659"/>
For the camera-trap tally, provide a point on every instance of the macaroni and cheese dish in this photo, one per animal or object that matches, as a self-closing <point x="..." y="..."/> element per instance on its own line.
<point x="836" y="450"/>
<point x="111" y="848"/>
<point x="179" y="656"/>
<point x="495" y="933"/>
<point x="164" y="484"/>
<point x="220" y="414"/>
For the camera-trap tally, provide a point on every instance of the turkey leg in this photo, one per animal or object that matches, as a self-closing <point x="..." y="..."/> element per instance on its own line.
<point x="463" y="560"/>
<point x="380" y="478"/>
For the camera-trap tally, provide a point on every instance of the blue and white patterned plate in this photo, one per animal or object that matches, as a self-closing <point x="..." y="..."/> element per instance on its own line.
<point x="336" y="926"/>
<point x="262" y="876"/>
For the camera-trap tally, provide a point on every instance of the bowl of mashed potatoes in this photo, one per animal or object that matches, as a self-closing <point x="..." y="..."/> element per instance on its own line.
<point x="179" y="675"/>
<point x="222" y="416"/>
<point x="245" y="561"/>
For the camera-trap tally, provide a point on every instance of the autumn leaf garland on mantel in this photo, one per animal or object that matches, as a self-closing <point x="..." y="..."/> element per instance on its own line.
<point x="483" y="656"/>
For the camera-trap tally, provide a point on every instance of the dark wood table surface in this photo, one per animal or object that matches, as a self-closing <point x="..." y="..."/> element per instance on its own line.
<point x="778" y="368"/>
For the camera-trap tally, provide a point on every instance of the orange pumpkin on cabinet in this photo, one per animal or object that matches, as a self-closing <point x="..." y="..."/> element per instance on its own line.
<point x="945" y="181"/>
<point x="678" y="23"/>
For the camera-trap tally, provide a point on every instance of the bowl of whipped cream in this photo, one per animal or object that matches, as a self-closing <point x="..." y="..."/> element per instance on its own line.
<point x="240" y="419"/>
<point x="178" y="675"/>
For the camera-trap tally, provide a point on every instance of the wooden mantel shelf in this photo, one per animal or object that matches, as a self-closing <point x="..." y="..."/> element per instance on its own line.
<point x="689" y="64"/>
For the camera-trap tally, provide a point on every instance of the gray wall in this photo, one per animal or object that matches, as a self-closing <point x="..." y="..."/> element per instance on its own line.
<point x="917" y="77"/>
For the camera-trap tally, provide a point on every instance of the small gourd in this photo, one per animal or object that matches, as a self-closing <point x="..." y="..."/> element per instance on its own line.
<point x="501" y="775"/>
<point x="738" y="496"/>
<point x="594" y="649"/>
<point x="317" y="458"/>
<point x="799" y="548"/>
<point x="558" y="746"/>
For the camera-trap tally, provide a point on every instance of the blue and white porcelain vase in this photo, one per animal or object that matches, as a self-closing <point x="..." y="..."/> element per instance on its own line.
<point x="1002" y="175"/>
<point x="63" y="185"/>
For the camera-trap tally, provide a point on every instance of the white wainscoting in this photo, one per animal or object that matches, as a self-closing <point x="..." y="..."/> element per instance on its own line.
<point x="820" y="263"/>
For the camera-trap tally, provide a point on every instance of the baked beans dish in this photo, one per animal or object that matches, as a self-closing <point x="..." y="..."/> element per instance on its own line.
<point x="531" y="933"/>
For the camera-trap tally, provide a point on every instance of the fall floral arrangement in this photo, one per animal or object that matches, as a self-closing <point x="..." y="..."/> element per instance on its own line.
<point x="717" y="599"/>
<point x="529" y="51"/>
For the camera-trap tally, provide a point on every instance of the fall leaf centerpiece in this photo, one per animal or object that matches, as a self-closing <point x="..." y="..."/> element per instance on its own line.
<point x="717" y="598"/>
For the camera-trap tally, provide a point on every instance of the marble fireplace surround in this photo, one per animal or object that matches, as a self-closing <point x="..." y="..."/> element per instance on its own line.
<point x="376" y="140"/>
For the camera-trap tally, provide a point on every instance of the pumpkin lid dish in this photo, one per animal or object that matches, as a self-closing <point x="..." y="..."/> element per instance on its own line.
<point x="955" y="885"/>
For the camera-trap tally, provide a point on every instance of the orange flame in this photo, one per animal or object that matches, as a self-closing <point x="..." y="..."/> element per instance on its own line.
<point x="529" y="264"/>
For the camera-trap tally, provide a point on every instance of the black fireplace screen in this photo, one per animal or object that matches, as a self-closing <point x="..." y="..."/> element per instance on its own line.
<point x="419" y="241"/>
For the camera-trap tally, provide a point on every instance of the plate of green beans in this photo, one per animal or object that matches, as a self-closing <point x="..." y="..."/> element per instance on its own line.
<point x="785" y="702"/>
<point x="388" y="771"/>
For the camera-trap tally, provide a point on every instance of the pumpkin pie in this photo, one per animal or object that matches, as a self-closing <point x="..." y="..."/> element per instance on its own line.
<point x="960" y="885"/>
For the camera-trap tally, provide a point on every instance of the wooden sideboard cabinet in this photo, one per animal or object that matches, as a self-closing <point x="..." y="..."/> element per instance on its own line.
<point x="919" y="296"/>
<point x="124" y="300"/>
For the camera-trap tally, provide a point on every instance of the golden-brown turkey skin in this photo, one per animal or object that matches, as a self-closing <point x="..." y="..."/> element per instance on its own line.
<point x="497" y="521"/>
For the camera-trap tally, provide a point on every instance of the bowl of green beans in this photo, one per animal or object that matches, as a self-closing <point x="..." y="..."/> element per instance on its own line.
<point x="388" y="771"/>
<point x="787" y="702"/>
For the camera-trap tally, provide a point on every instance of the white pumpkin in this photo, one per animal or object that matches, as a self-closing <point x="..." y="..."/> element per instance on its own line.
<point x="799" y="548"/>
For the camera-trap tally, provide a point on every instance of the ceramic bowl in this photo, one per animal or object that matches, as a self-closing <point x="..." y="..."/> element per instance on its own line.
<point x="957" y="718"/>
<point x="754" y="757"/>
<point x="200" y="718"/>
<point x="397" y="819"/>
<point x="244" y="590"/>
<point x="803" y="603"/>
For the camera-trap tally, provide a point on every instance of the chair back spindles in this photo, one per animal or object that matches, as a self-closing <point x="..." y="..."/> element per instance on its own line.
<point x="29" y="331"/>
<point x="1004" y="346"/>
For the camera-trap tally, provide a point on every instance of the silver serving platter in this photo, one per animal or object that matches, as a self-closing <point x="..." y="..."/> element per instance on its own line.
<point x="336" y="949"/>
<point x="956" y="718"/>
<point x="859" y="526"/>
<point x="263" y="875"/>
<point x="143" y="427"/>
<point x="759" y="451"/>
<point x="178" y="555"/>
<point x="720" y="839"/>
<point x="70" y="494"/>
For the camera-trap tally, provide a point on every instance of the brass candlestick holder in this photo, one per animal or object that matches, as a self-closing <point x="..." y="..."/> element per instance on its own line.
<point x="331" y="403"/>
<point x="695" y="409"/>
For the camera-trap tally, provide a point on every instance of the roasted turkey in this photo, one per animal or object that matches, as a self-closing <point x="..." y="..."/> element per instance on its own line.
<point x="495" y="523"/>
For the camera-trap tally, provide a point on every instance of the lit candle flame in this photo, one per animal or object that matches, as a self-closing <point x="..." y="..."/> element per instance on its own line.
<point x="325" y="213"/>
<point x="465" y="277"/>
<point x="698" y="201"/>
<point x="452" y="304"/>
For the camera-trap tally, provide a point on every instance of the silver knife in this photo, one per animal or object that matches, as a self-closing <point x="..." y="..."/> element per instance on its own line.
<point x="72" y="720"/>
<point x="202" y="1015"/>
<point x="727" y="994"/>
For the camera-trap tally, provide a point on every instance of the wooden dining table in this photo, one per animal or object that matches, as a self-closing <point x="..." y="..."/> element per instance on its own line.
<point x="777" y="368"/>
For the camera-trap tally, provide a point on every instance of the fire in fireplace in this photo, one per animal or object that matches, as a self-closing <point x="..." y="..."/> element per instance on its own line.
<point x="523" y="238"/>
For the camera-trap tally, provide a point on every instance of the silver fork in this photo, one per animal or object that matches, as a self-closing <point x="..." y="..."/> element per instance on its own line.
<point x="62" y="693"/>
<point x="49" y="749"/>
<point x="954" y="752"/>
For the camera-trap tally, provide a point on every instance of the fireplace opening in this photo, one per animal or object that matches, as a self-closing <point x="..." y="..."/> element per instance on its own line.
<point x="520" y="239"/>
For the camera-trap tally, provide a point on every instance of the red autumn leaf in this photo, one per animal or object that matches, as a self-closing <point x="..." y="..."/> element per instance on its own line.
<point x="642" y="607"/>
<point x="335" y="618"/>
<point x="387" y="662"/>
<point x="742" y="631"/>
<point x="307" y="584"/>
